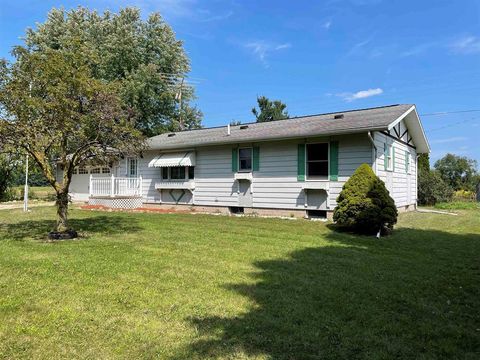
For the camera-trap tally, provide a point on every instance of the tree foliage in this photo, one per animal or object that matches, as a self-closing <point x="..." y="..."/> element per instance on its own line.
<point x="142" y="57"/>
<point x="432" y="189"/>
<point x="459" y="172"/>
<point x="269" y="110"/>
<point x="54" y="109"/>
<point x="364" y="204"/>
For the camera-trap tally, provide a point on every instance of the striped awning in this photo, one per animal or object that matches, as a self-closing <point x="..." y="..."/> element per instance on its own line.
<point x="173" y="159"/>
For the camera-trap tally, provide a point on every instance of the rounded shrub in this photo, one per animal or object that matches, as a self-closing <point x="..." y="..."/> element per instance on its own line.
<point x="365" y="205"/>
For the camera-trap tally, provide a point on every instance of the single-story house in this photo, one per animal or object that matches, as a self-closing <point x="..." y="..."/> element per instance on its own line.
<point x="291" y="167"/>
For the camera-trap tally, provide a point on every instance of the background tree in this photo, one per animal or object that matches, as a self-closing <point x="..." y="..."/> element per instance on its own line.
<point x="269" y="110"/>
<point x="53" y="108"/>
<point x="142" y="56"/>
<point x="424" y="163"/>
<point x="459" y="172"/>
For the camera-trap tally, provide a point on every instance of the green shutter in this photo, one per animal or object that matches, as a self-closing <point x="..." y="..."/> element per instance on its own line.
<point x="385" y="156"/>
<point x="393" y="158"/>
<point x="235" y="160"/>
<point x="256" y="158"/>
<point x="301" y="162"/>
<point x="333" y="169"/>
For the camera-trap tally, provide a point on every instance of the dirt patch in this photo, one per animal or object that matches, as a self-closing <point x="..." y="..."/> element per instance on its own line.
<point x="141" y="209"/>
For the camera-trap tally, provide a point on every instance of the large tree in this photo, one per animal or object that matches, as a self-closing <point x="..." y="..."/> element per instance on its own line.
<point x="142" y="56"/>
<point x="269" y="110"/>
<point x="459" y="172"/>
<point x="53" y="108"/>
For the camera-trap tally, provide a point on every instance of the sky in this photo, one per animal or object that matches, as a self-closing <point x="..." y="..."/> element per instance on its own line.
<point x="317" y="56"/>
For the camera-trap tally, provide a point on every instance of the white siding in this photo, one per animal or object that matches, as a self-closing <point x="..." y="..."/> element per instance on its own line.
<point x="401" y="185"/>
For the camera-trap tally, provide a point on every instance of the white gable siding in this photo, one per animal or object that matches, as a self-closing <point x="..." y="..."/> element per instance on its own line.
<point x="401" y="185"/>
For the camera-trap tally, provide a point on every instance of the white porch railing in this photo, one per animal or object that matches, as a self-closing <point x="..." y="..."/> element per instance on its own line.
<point x="115" y="186"/>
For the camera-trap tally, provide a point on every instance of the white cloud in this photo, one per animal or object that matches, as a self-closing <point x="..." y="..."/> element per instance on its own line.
<point x="207" y="16"/>
<point x="327" y="24"/>
<point x="449" y="140"/>
<point x="362" y="94"/>
<point x="262" y="49"/>
<point x="466" y="45"/>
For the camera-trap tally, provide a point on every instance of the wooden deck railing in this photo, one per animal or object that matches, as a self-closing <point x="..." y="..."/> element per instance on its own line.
<point x="115" y="186"/>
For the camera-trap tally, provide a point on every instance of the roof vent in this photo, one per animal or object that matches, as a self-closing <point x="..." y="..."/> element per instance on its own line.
<point x="243" y="127"/>
<point x="170" y="135"/>
<point x="338" y="116"/>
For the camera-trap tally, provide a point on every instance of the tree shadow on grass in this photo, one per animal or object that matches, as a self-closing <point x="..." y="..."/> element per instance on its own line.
<point x="39" y="229"/>
<point x="412" y="295"/>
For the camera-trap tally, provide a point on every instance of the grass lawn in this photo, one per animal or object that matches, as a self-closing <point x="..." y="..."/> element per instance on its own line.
<point x="179" y="286"/>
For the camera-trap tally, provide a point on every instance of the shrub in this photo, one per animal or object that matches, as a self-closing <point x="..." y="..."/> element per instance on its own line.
<point x="364" y="204"/>
<point x="432" y="189"/>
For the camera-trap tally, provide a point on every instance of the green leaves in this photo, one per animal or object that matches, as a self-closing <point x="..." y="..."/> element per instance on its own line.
<point x="269" y="110"/>
<point x="364" y="204"/>
<point x="142" y="56"/>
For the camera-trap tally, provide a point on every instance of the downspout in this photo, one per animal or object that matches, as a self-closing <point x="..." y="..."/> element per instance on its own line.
<point x="370" y="137"/>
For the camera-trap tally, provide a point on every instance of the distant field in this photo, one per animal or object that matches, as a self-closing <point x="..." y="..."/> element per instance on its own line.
<point x="182" y="286"/>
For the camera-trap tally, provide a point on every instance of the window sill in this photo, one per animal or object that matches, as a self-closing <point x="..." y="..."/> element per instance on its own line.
<point x="243" y="175"/>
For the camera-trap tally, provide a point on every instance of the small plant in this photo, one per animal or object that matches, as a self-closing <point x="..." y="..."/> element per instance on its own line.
<point x="365" y="205"/>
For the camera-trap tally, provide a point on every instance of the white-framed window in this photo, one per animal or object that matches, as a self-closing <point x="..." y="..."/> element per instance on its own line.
<point x="178" y="173"/>
<point x="245" y="159"/>
<point x="132" y="167"/>
<point x="317" y="156"/>
<point x="106" y="170"/>
<point x="82" y="170"/>
<point x="388" y="153"/>
<point x="75" y="171"/>
<point x="95" y="170"/>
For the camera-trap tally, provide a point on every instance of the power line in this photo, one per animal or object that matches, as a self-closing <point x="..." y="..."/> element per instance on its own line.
<point x="439" y="113"/>
<point x="453" y="124"/>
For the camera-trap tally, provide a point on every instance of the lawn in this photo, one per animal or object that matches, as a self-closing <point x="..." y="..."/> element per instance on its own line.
<point x="180" y="286"/>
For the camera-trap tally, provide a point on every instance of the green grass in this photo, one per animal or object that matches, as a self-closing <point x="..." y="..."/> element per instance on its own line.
<point x="201" y="287"/>
<point x="458" y="205"/>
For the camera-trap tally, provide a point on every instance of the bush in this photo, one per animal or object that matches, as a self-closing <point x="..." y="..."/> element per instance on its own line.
<point x="365" y="205"/>
<point x="432" y="189"/>
<point x="458" y="205"/>
<point x="464" y="195"/>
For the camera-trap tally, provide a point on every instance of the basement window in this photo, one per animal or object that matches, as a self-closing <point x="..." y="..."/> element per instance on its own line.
<point x="236" y="210"/>
<point x="317" y="214"/>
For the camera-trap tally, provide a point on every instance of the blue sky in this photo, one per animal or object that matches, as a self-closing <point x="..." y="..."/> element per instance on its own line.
<point x="318" y="56"/>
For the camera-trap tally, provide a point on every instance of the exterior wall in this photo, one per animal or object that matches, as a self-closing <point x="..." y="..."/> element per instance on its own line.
<point x="275" y="184"/>
<point x="401" y="185"/>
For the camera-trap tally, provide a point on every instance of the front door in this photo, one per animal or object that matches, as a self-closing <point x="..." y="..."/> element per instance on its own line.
<point x="244" y="193"/>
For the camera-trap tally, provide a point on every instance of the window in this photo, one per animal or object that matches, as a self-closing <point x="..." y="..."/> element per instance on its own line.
<point x="245" y="159"/>
<point x="317" y="161"/>
<point x="165" y="173"/>
<point x="177" y="173"/>
<point x="105" y="170"/>
<point x="387" y="149"/>
<point x="82" y="171"/>
<point x="95" y="170"/>
<point x="132" y="167"/>
<point x="407" y="162"/>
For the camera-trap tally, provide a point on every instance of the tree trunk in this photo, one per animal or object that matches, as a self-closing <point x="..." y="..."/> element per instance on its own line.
<point x="62" y="212"/>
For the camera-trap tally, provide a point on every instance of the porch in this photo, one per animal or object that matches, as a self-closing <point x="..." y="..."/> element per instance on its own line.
<point x="115" y="192"/>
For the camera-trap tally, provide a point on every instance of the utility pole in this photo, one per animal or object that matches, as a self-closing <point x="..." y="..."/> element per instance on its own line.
<point x="25" y="190"/>
<point x="179" y="98"/>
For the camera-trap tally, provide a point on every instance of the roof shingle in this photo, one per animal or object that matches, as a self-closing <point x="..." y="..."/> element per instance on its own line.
<point x="353" y="121"/>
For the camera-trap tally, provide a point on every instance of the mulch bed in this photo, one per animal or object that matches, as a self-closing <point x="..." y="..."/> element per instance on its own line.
<point x="141" y="209"/>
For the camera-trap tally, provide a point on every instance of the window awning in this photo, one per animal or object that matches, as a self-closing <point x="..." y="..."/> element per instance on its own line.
<point x="173" y="159"/>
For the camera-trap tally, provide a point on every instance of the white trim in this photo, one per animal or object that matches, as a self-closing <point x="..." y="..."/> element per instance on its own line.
<point x="423" y="131"/>
<point x="401" y="117"/>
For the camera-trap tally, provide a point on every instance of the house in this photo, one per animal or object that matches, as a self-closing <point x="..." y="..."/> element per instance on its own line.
<point x="292" y="167"/>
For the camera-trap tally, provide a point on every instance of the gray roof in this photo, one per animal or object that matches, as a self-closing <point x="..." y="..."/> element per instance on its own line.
<point x="353" y="121"/>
